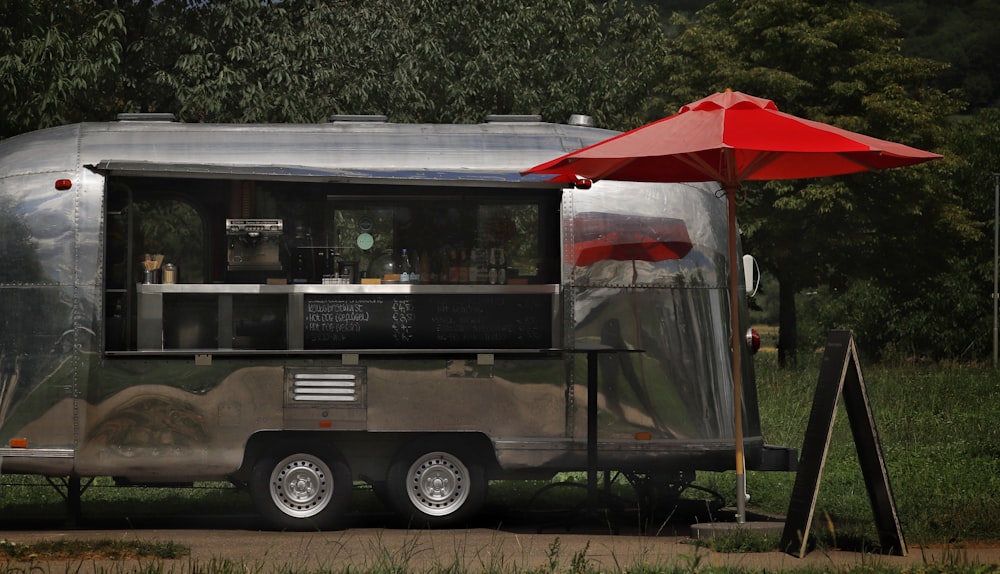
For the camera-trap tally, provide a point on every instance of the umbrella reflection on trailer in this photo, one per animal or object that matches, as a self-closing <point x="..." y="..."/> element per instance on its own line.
<point x="632" y="238"/>
<point x="620" y="237"/>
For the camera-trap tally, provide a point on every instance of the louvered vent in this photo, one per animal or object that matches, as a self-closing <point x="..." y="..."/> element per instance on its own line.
<point x="325" y="387"/>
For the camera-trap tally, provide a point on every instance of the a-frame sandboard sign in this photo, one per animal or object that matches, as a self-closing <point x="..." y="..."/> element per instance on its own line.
<point x="840" y="374"/>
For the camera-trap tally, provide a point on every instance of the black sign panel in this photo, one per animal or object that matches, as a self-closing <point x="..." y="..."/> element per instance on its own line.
<point x="438" y="321"/>
<point x="840" y="374"/>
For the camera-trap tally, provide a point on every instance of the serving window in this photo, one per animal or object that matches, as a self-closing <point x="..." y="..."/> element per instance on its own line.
<point x="303" y="242"/>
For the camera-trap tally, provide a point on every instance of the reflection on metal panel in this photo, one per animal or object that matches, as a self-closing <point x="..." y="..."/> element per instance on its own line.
<point x="522" y="398"/>
<point x="39" y="355"/>
<point x="674" y="308"/>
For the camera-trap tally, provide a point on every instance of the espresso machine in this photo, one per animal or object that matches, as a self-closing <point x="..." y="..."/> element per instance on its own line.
<point x="253" y="248"/>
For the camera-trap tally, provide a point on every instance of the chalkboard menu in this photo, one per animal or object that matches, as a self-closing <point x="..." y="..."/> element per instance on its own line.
<point x="428" y="321"/>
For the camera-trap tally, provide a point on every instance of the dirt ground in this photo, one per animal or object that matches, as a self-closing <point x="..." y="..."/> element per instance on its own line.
<point x="472" y="550"/>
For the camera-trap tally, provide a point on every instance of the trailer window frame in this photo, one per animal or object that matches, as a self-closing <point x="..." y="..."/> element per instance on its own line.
<point x="484" y="191"/>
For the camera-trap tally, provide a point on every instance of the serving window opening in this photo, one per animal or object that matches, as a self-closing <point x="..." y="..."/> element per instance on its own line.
<point x="248" y="258"/>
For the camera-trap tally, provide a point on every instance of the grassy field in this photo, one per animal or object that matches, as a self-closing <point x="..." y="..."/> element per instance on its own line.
<point x="939" y="431"/>
<point x="938" y="426"/>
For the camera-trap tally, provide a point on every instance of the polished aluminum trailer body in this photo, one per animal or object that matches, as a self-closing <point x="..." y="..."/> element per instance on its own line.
<point x="75" y="401"/>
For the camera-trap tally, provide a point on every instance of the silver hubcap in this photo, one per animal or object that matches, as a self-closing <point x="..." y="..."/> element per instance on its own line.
<point x="300" y="485"/>
<point x="438" y="484"/>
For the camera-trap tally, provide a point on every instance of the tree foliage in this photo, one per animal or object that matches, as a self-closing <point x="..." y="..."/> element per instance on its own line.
<point x="59" y="63"/>
<point x="962" y="33"/>
<point x="838" y="63"/>
<point x="413" y="60"/>
<point x="303" y="60"/>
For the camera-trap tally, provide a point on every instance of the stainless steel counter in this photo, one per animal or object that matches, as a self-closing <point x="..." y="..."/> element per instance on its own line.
<point x="353" y="289"/>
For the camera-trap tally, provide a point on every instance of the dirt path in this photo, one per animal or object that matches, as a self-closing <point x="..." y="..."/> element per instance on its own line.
<point x="472" y="550"/>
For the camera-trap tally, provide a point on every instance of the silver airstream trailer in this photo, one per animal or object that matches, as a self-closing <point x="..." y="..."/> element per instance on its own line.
<point x="296" y="308"/>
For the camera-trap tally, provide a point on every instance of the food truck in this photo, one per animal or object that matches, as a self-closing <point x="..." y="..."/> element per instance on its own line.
<point x="300" y="308"/>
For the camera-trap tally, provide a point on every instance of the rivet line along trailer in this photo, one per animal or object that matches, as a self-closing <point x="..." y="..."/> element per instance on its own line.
<point x="194" y="302"/>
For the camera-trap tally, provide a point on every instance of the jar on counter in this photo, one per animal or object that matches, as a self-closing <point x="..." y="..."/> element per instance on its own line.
<point x="169" y="274"/>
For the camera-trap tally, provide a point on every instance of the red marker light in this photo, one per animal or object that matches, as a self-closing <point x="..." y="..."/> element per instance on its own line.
<point x="64" y="184"/>
<point x="753" y="340"/>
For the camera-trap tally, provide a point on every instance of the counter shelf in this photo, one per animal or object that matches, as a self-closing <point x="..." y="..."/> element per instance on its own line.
<point x="315" y="317"/>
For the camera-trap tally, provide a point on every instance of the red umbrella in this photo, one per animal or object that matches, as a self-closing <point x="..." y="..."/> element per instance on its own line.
<point x="731" y="137"/>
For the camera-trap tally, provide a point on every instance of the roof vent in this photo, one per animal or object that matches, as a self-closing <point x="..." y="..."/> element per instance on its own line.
<point x="147" y="117"/>
<point x="581" y="120"/>
<point x="511" y="119"/>
<point x="359" y="118"/>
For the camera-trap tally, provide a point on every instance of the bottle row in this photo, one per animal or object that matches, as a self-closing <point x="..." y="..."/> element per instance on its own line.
<point x="480" y="265"/>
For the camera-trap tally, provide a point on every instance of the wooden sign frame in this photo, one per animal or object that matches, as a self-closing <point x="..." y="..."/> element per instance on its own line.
<point x="840" y="374"/>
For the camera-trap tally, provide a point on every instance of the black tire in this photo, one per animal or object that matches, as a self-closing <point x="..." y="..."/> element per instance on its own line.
<point x="304" y="488"/>
<point x="436" y="486"/>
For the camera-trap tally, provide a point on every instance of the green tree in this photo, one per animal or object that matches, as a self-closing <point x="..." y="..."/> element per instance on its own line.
<point x="413" y="60"/>
<point x="957" y="315"/>
<point x="838" y="63"/>
<point x="59" y="62"/>
<point x="962" y="33"/>
<point x="302" y="60"/>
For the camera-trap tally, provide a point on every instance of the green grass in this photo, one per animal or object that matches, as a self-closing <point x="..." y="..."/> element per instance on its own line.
<point x="34" y="496"/>
<point x="939" y="431"/>
<point x="740" y="541"/>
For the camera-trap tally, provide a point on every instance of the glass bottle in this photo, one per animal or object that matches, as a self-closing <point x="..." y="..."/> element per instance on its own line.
<point x="405" y="267"/>
<point x="452" y="266"/>
<point x="491" y="266"/>
<point x="463" y="267"/>
<point x="501" y="266"/>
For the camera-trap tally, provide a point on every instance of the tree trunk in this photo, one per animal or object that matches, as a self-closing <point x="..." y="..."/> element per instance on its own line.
<point x="788" y="334"/>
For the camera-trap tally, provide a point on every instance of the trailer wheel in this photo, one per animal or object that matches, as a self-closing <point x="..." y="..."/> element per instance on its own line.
<point x="302" y="489"/>
<point x="436" y="488"/>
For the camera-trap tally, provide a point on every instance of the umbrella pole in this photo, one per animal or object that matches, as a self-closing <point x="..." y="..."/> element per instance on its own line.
<point x="734" y="318"/>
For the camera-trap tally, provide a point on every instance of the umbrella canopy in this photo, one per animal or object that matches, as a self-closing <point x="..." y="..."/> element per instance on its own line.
<point x="632" y="238"/>
<point x="731" y="137"/>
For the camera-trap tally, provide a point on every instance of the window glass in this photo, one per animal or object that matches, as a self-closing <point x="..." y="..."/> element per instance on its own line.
<point x="473" y="241"/>
<point x="172" y="229"/>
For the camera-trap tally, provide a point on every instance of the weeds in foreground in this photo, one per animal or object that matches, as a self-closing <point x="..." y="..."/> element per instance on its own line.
<point x="953" y="561"/>
<point x="740" y="540"/>
<point x="104" y="549"/>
